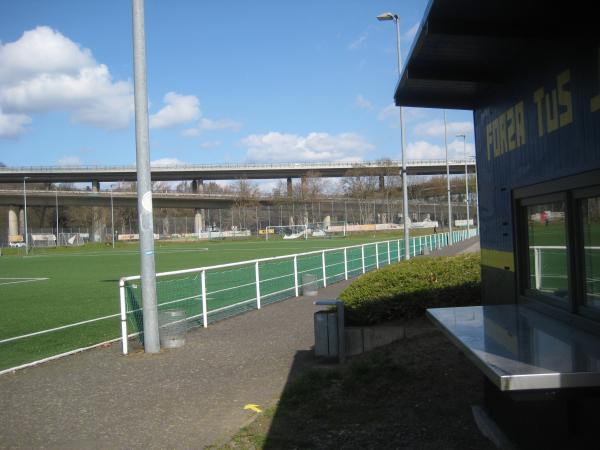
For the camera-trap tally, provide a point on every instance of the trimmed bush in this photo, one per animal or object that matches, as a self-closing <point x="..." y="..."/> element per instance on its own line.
<point x="406" y="290"/>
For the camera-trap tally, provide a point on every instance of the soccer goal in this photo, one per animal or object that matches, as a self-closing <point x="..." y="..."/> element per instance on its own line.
<point x="328" y="229"/>
<point x="287" y="232"/>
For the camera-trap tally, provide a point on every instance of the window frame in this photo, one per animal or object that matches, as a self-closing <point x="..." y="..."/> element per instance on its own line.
<point x="573" y="189"/>
<point x="525" y="257"/>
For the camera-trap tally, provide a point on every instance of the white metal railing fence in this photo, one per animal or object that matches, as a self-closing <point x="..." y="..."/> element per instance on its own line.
<point x="212" y="290"/>
<point x="550" y="267"/>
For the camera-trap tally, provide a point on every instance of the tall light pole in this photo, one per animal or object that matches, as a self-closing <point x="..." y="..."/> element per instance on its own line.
<point x="56" y="201"/>
<point x="464" y="137"/>
<point x="396" y="19"/>
<point x="25" y="215"/>
<point x="112" y="217"/>
<point x="448" y="180"/>
<point x="144" y="183"/>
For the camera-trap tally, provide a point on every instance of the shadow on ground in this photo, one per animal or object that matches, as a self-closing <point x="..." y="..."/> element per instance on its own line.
<point x="415" y="393"/>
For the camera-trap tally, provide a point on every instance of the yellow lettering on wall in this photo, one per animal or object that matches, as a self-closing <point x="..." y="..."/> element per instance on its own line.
<point x="489" y="138"/>
<point x="502" y="132"/>
<point x="511" y="129"/>
<point x="538" y="97"/>
<point x="564" y="98"/>
<point x="552" y="111"/>
<point x="520" y="123"/>
<point x="496" y="140"/>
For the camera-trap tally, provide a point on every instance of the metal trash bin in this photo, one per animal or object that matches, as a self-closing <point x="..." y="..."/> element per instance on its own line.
<point x="310" y="287"/>
<point x="172" y="328"/>
<point x="326" y="334"/>
<point x="329" y="331"/>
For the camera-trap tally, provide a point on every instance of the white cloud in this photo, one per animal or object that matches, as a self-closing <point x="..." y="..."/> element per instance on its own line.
<point x="435" y="128"/>
<point x="427" y="150"/>
<point x="387" y="112"/>
<point x="210" y="144"/>
<point x="179" y="109"/>
<point x="359" y="41"/>
<point x="412" y="32"/>
<point x="275" y="146"/>
<point x="12" y="125"/>
<point x="45" y="71"/>
<point x="206" y="124"/>
<point x="363" y="102"/>
<point x="69" y="161"/>
<point x="166" y="162"/>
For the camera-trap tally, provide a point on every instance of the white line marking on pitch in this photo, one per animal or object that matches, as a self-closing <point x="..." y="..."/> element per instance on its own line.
<point x="20" y="280"/>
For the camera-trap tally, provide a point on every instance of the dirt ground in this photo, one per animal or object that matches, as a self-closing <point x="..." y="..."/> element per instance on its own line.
<point x="416" y="393"/>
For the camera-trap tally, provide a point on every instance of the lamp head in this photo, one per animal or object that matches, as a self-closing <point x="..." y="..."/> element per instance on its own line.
<point x="387" y="16"/>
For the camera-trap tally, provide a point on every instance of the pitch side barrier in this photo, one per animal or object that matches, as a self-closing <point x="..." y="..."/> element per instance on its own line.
<point x="211" y="293"/>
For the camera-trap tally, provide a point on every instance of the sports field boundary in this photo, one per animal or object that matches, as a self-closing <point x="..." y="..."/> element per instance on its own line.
<point x="344" y="272"/>
<point x="254" y="290"/>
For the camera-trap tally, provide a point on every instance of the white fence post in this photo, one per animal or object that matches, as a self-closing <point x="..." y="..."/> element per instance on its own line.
<point x="123" y="317"/>
<point x="296" y="274"/>
<point x="538" y="267"/>
<point x="376" y="255"/>
<point x="362" y="256"/>
<point x="257" y="272"/>
<point x="345" y="263"/>
<point x="389" y="254"/>
<point x="324" y="269"/>
<point x="204" y="309"/>
<point x="398" y="246"/>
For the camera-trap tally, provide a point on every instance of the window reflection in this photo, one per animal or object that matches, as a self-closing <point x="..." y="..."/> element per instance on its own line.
<point x="547" y="233"/>
<point x="590" y="216"/>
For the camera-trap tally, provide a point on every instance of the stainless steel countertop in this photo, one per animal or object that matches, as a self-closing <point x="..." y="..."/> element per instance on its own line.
<point x="521" y="349"/>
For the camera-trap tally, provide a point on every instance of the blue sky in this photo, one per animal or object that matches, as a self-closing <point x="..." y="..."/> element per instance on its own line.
<point x="229" y="81"/>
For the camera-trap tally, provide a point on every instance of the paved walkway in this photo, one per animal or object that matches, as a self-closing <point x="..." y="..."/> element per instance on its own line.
<point x="183" y="398"/>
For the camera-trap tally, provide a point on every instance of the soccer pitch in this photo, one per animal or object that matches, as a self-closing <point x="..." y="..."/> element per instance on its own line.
<point x="56" y="287"/>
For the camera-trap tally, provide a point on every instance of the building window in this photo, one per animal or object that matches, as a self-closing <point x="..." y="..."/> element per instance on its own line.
<point x="590" y="218"/>
<point x="547" y="247"/>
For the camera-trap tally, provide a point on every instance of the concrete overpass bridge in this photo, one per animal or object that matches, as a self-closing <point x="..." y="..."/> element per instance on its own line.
<point x="210" y="172"/>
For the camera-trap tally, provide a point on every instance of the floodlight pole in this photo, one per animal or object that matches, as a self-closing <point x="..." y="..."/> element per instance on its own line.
<point x="144" y="183"/>
<point x="112" y="217"/>
<point x="450" y="240"/>
<point x="464" y="137"/>
<point x="56" y="199"/>
<point x="396" y="19"/>
<point x="25" y="215"/>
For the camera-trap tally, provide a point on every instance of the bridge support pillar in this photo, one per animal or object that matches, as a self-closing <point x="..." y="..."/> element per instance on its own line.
<point x="381" y="183"/>
<point x="198" y="221"/>
<point x="13" y="221"/>
<point x="22" y="221"/>
<point x="290" y="191"/>
<point x="198" y="186"/>
<point x="96" y="235"/>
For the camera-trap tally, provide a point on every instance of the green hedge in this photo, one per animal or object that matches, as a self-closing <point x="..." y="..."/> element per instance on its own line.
<point x="407" y="289"/>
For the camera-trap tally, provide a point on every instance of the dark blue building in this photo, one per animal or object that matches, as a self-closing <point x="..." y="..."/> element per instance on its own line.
<point x="530" y="71"/>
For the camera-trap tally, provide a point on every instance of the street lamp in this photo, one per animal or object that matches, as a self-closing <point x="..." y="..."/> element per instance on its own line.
<point x="385" y="17"/>
<point x="56" y="200"/>
<point x="25" y="215"/>
<point x="112" y="216"/>
<point x="450" y="240"/>
<point x="464" y="137"/>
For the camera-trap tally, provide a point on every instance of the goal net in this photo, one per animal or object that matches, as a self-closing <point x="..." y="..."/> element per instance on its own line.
<point x="328" y="229"/>
<point x="286" y="232"/>
<point x="72" y="239"/>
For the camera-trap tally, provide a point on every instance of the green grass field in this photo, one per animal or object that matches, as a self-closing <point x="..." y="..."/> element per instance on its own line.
<point x="55" y="287"/>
